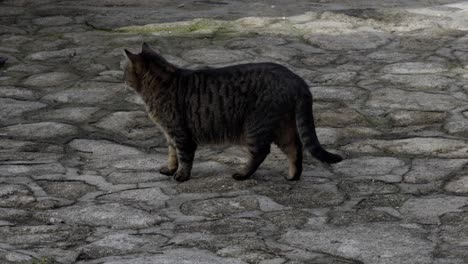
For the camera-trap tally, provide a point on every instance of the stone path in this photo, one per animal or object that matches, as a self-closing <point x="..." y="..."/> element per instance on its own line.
<point x="79" y="157"/>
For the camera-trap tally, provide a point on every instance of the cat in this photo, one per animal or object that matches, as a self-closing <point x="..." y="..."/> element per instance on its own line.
<point x="253" y="105"/>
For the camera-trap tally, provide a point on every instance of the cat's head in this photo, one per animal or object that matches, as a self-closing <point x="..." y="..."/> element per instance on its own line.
<point x="147" y="64"/>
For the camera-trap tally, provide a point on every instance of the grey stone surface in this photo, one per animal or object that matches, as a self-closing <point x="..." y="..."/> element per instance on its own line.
<point x="42" y="130"/>
<point x="458" y="186"/>
<point x="435" y="147"/>
<point x="100" y="148"/>
<point x="79" y="157"/>
<point x="406" y="118"/>
<point x="69" y="114"/>
<point x="154" y="197"/>
<point x="121" y="244"/>
<point x="178" y="256"/>
<point x="219" y="207"/>
<point x="406" y="100"/>
<point x="215" y="56"/>
<point x="371" y="243"/>
<point x="10" y="108"/>
<point x="428" y="210"/>
<point x="86" y="93"/>
<point x="49" y="79"/>
<point x="135" y="125"/>
<point x="377" y="168"/>
<point x="112" y="215"/>
<point x="414" y="68"/>
<point x="66" y="189"/>
<point x="429" y="170"/>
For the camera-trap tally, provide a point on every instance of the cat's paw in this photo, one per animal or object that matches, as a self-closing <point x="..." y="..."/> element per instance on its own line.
<point x="166" y="171"/>
<point x="240" y="176"/>
<point x="181" y="176"/>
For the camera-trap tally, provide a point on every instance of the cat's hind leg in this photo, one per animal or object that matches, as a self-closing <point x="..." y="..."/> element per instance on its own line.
<point x="258" y="153"/>
<point x="289" y="142"/>
<point x="258" y="139"/>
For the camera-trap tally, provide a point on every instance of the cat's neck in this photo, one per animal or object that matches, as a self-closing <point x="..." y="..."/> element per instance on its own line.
<point x="159" y="77"/>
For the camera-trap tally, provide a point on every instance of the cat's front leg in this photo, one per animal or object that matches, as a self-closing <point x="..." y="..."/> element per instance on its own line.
<point x="172" y="163"/>
<point x="186" y="148"/>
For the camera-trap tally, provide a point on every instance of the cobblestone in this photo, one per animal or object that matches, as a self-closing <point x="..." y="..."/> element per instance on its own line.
<point x="79" y="157"/>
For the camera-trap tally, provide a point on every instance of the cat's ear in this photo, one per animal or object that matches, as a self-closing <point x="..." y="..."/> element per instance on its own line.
<point x="132" y="57"/>
<point x="145" y="48"/>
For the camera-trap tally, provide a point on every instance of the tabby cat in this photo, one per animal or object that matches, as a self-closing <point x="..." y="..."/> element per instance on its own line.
<point x="252" y="104"/>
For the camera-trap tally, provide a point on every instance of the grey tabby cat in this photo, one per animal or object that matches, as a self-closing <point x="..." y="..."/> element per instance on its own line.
<point x="252" y="104"/>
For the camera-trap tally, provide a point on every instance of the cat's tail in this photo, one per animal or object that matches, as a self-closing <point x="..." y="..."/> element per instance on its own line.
<point x="306" y="127"/>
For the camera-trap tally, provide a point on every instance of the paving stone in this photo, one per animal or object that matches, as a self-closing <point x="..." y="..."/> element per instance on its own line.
<point x="400" y="99"/>
<point x="317" y="196"/>
<point x="177" y="256"/>
<point x="112" y="214"/>
<point x="11" y="30"/>
<point x="457" y="124"/>
<point x="383" y="200"/>
<point x="43" y="234"/>
<point x="390" y="56"/>
<point x="86" y="93"/>
<point x="414" y="68"/>
<point x="122" y="244"/>
<point x="42" y="130"/>
<point x="17" y="93"/>
<point x="346" y="218"/>
<point x="344" y="78"/>
<point x="222" y="226"/>
<point x="220" y="207"/>
<point x="49" y="79"/>
<point x="154" y="197"/>
<point x="216" y="183"/>
<point x="428" y="210"/>
<point x="63" y="54"/>
<point x="365" y="243"/>
<point x="406" y="118"/>
<point x="458" y="185"/>
<point x="245" y="43"/>
<point x="421" y="82"/>
<point x="336" y="93"/>
<point x="454" y="227"/>
<point x="319" y="59"/>
<point x="342" y="117"/>
<point x="15" y="195"/>
<point x="11" y="11"/>
<point x="215" y="56"/>
<point x="134" y="177"/>
<point x="287" y="219"/>
<point x="10" y="108"/>
<point x="429" y="147"/>
<point x="33" y="169"/>
<point x="349" y="39"/>
<point x="429" y="170"/>
<point x="68" y="114"/>
<point x="152" y="162"/>
<point x="134" y="125"/>
<point x="8" y="256"/>
<point x="365" y="188"/>
<point x="377" y="168"/>
<point x="66" y="189"/>
<point x="99" y="148"/>
<point x="14" y="215"/>
<point x="52" y="21"/>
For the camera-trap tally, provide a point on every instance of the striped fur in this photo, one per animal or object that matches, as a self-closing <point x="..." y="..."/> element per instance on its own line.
<point x="249" y="104"/>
